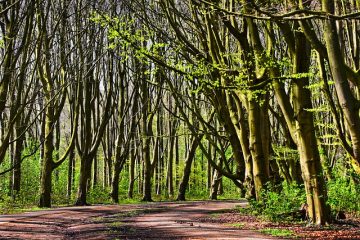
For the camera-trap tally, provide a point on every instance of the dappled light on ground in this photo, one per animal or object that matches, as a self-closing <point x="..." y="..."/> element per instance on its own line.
<point x="165" y="220"/>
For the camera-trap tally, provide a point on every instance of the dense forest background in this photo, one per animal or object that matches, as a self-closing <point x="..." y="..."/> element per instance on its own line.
<point x="111" y="100"/>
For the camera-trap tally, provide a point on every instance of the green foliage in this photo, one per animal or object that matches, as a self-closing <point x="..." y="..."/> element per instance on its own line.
<point x="279" y="200"/>
<point x="197" y="184"/>
<point x="59" y="185"/>
<point x="284" y="153"/>
<point x="30" y="170"/>
<point x="98" y="194"/>
<point x="129" y="39"/>
<point x="276" y="232"/>
<point x="28" y="196"/>
<point x="7" y="205"/>
<point x="343" y="195"/>
<point x="237" y="225"/>
<point x="136" y="199"/>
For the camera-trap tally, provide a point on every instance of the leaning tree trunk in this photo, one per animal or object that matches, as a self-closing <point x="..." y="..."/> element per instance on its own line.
<point x="346" y="98"/>
<point x="216" y="182"/>
<point x="187" y="169"/>
<point x="118" y="166"/>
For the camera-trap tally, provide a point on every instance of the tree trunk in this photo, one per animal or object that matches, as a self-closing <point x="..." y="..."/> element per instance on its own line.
<point x="116" y="180"/>
<point x="301" y="125"/>
<point x="345" y="96"/>
<point x="170" y="177"/>
<point x="187" y="169"/>
<point x="311" y="171"/>
<point x="260" y="166"/>
<point x="84" y="180"/>
<point x="71" y="171"/>
<point x="305" y="131"/>
<point x="215" y="185"/>
<point x="95" y="173"/>
<point x="148" y="171"/>
<point x="131" y="172"/>
<point x="16" y="174"/>
<point x="47" y="168"/>
<point x="242" y="132"/>
<point x="57" y="147"/>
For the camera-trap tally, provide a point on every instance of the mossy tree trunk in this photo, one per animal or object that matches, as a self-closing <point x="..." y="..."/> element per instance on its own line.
<point x="53" y="106"/>
<point x="301" y="125"/>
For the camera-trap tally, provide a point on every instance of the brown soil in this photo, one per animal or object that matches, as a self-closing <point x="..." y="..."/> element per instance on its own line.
<point x="165" y="220"/>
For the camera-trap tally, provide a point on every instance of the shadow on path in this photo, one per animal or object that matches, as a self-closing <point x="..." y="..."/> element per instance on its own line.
<point x="161" y="220"/>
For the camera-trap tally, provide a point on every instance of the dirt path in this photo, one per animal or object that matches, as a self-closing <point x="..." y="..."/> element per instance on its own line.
<point x="136" y="221"/>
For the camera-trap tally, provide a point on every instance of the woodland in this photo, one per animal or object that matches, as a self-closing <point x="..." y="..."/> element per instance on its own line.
<point x="120" y="101"/>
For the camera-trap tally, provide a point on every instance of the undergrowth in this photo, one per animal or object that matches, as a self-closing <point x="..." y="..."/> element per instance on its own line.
<point x="282" y="202"/>
<point x="277" y="201"/>
<point x="343" y="194"/>
<point x="276" y="232"/>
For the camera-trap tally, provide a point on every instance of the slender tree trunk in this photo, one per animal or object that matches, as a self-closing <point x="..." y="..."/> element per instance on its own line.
<point x="16" y="174"/>
<point x="187" y="169"/>
<point x="243" y="134"/>
<point x="177" y="160"/>
<point x="346" y="98"/>
<point x="57" y="138"/>
<point x="119" y="164"/>
<point x="209" y="169"/>
<point x="147" y="172"/>
<point x="47" y="168"/>
<point x="131" y="172"/>
<point x="215" y="185"/>
<point x="171" y="144"/>
<point x="95" y="173"/>
<point x="71" y="171"/>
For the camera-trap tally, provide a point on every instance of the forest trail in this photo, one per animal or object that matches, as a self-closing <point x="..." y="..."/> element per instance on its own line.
<point x="158" y="220"/>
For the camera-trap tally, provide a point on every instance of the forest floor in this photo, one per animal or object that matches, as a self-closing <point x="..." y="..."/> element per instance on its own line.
<point x="159" y="220"/>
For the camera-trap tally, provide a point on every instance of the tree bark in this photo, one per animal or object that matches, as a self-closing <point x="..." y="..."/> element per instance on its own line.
<point x="187" y="169"/>
<point x="349" y="104"/>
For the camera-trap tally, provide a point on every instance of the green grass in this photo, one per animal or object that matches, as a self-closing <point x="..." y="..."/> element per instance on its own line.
<point x="115" y="224"/>
<point x="130" y="200"/>
<point x="19" y="209"/>
<point x="237" y="225"/>
<point x="123" y="214"/>
<point x="277" y="232"/>
<point x="214" y="215"/>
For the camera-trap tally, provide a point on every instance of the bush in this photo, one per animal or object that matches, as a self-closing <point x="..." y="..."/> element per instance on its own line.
<point x="343" y="195"/>
<point x="99" y="195"/>
<point x="277" y="201"/>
